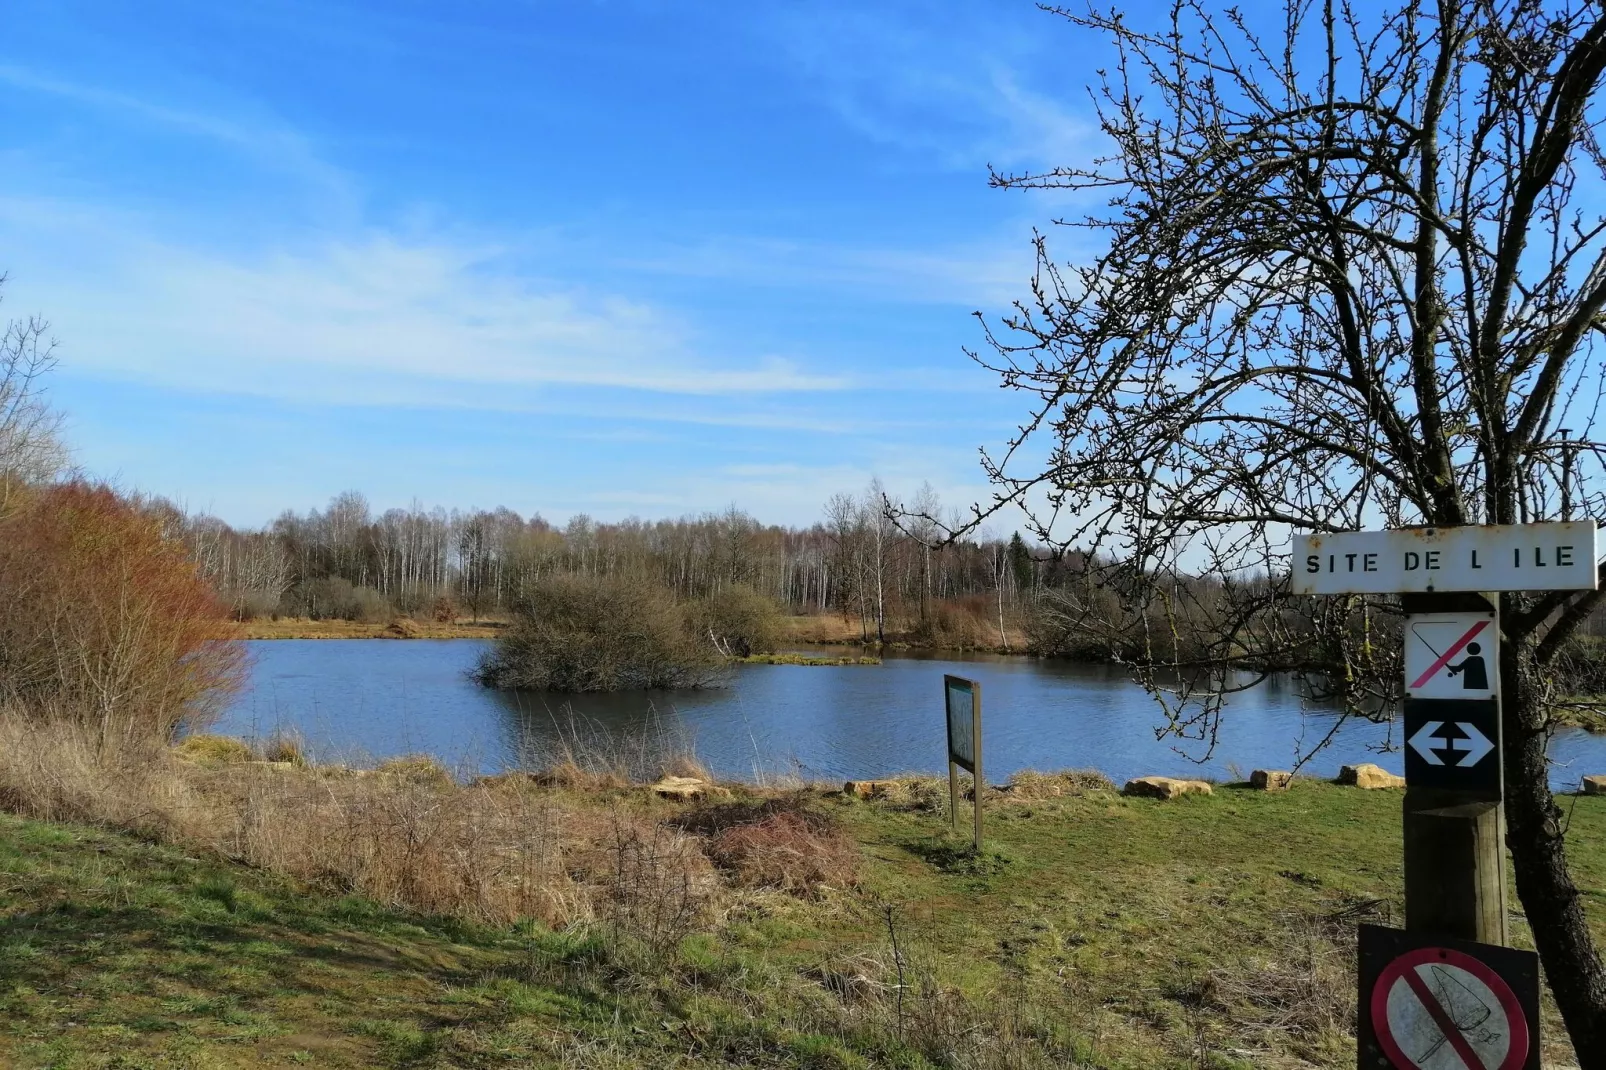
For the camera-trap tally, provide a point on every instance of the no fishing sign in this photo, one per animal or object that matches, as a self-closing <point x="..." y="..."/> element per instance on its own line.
<point x="1431" y="1003"/>
<point x="1452" y="655"/>
<point x="1452" y="712"/>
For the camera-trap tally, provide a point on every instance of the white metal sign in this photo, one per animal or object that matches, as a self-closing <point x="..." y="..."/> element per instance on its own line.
<point x="1493" y="557"/>
<point x="1452" y="655"/>
<point x="1437" y="1010"/>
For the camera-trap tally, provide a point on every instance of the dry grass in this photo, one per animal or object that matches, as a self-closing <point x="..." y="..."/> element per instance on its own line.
<point x="784" y="853"/>
<point x="1030" y="785"/>
<point x="287" y="747"/>
<point x="221" y="750"/>
<point x="561" y="847"/>
<point x="962" y="624"/>
<point x="417" y="768"/>
<point x="780" y="843"/>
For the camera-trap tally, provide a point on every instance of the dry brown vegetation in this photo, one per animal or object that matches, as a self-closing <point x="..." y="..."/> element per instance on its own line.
<point x="395" y="628"/>
<point x="781" y="843"/>
<point x="570" y="845"/>
<point x="106" y="622"/>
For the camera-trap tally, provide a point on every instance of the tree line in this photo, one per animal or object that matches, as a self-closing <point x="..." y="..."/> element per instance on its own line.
<point x="347" y="561"/>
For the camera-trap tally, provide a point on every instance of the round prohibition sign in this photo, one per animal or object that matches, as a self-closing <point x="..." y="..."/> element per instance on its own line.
<point x="1438" y="1009"/>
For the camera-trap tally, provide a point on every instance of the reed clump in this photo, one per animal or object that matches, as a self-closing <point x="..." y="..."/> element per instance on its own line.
<point x="219" y="750"/>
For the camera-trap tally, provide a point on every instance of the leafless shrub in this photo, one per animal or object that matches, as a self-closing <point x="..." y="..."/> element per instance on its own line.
<point x="578" y="633"/>
<point x="738" y="621"/>
<point x="30" y="449"/>
<point x="658" y="887"/>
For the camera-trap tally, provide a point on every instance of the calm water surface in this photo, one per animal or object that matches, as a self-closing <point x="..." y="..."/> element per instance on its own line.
<point x="357" y="699"/>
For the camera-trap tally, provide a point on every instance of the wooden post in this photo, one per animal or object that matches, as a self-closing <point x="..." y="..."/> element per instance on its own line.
<point x="953" y="793"/>
<point x="1455" y="879"/>
<point x="975" y="774"/>
<point x="1454" y="867"/>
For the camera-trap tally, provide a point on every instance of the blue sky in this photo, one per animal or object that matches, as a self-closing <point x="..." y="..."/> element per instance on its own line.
<point x="612" y="257"/>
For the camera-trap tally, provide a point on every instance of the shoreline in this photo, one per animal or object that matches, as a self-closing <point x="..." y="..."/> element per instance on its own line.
<point x="401" y="628"/>
<point x="812" y="630"/>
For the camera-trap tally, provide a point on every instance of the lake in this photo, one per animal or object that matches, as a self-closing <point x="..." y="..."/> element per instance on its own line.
<point x="366" y="699"/>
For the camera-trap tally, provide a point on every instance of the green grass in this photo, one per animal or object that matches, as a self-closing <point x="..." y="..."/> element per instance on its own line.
<point x="1096" y="931"/>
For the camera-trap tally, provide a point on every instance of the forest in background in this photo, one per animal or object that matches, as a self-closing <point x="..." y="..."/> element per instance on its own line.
<point x="345" y="562"/>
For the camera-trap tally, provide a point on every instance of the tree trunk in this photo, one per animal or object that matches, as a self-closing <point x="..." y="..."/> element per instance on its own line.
<point x="1534" y="827"/>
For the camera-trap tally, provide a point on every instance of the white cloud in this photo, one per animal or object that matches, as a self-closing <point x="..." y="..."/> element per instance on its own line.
<point x="376" y="319"/>
<point x="975" y="274"/>
<point x="265" y="141"/>
<point x="954" y="92"/>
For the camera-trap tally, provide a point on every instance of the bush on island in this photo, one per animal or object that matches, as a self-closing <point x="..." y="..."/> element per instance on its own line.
<point x="577" y="633"/>
<point x="738" y="621"/>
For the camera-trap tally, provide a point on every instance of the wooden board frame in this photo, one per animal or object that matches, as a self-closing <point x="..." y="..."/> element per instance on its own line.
<point x="961" y="756"/>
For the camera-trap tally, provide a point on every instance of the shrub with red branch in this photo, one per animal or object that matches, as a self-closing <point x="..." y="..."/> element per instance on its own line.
<point x="106" y="621"/>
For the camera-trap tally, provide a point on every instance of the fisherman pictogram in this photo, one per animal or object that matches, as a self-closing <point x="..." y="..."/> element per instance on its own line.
<point x="1474" y="673"/>
<point x="1451" y="655"/>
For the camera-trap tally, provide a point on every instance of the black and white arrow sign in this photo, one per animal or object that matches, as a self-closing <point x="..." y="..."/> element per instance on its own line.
<point x="1463" y="747"/>
<point x="1453" y="745"/>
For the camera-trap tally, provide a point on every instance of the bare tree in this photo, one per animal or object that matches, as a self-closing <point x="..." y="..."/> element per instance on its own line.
<point x="30" y="451"/>
<point x="882" y="529"/>
<point x="1352" y="274"/>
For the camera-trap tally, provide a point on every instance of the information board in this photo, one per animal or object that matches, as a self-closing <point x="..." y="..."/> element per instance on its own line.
<point x="963" y="699"/>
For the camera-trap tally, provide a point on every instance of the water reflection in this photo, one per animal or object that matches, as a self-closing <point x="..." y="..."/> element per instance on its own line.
<point x="354" y="699"/>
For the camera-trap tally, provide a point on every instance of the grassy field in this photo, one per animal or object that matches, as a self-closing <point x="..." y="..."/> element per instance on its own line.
<point x="1096" y="931"/>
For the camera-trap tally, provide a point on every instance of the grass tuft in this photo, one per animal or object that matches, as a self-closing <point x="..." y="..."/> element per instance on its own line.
<point x="220" y="750"/>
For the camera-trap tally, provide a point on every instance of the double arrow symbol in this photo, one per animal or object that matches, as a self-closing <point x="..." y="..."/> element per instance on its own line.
<point x="1428" y="743"/>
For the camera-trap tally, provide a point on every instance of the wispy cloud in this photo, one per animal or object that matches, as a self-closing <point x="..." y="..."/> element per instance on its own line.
<point x="956" y="94"/>
<point x="266" y="142"/>
<point x="380" y="317"/>
<point x="975" y="274"/>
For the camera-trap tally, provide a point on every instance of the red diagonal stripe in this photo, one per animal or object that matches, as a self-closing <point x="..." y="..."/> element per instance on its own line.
<point x="1441" y="1017"/>
<point x="1455" y="648"/>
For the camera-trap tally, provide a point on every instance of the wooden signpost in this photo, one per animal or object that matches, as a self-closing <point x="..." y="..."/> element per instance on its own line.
<point x="962" y="704"/>
<point x="1422" y="999"/>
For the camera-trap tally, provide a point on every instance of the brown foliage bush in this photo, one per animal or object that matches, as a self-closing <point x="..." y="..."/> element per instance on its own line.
<point x="105" y="621"/>
<point x="777" y="843"/>
<point x="959" y="624"/>
<point x="738" y="621"/>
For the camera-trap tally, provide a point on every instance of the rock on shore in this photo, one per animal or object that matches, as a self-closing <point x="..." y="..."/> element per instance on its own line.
<point x="1164" y="787"/>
